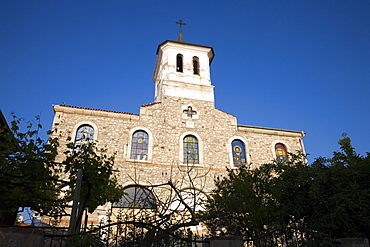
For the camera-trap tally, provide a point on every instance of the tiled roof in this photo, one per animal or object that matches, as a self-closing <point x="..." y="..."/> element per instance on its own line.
<point x="85" y="108"/>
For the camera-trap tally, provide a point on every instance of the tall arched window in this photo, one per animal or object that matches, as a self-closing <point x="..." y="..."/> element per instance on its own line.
<point x="137" y="197"/>
<point x="281" y="153"/>
<point x="179" y="63"/>
<point x="139" y="145"/>
<point x="191" y="150"/>
<point x="84" y="133"/>
<point x="238" y="151"/>
<point x="196" y="65"/>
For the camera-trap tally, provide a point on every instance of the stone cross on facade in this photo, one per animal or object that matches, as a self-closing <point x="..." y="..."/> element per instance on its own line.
<point x="190" y="112"/>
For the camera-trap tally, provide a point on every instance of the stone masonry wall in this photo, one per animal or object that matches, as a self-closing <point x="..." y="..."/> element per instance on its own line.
<point x="167" y="125"/>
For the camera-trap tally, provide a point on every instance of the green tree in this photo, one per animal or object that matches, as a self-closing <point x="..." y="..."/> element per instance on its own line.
<point x="330" y="197"/>
<point x="99" y="184"/>
<point x="30" y="177"/>
<point x="340" y="193"/>
<point x="287" y="189"/>
<point x="235" y="207"/>
<point x="251" y="203"/>
<point x="27" y="175"/>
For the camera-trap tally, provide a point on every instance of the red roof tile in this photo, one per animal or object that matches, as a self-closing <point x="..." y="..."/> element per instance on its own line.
<point x="85" y="108"/>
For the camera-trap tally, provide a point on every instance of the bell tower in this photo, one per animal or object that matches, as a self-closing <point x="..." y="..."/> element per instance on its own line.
<point x="183" y="70"/>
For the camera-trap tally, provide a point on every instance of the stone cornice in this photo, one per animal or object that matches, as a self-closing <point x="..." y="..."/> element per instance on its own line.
<point x="94" y="112"/>
<point x="225" y="112"/>
<point x="150" y="104"/>
<point x="271" y="131"/>
<point x="179" y="43"/>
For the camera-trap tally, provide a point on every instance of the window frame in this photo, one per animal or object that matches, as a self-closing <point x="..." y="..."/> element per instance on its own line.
<point x="135" y="149"/>
<point x="200" y="196"/>
<point x="181" y="149"/>
<point x="246" y="149"/>
<point x="196" y="66"/>
<point x="286" y="149"/>
<point x="150" y="144"/>
<point x="179" y="63"/>
<point x="77" y="126"/>
<point x="137" y="189"/>
<point x="193" y="141"/>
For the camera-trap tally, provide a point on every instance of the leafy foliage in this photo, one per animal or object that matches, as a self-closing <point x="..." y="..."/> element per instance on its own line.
<point x="341" y="193"/>
<point x="30" y="177"/>
<point x="99" y="185"/>
<point x="27" y="176"/>
<point x="330" y="197"/>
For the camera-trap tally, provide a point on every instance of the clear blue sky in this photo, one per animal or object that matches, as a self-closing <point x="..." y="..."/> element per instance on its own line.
<point x="301" y="65"/>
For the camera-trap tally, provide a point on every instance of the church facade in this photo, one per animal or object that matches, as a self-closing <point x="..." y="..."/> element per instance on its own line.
<point x="180" y="129"/>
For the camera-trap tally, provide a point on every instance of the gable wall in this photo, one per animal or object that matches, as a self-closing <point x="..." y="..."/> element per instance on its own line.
<point x="167" y="125"/>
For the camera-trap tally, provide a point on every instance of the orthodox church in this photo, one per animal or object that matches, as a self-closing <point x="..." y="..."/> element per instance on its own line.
<point x="181" y="135"/>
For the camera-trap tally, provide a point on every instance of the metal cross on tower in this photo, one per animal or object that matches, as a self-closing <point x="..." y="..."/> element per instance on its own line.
<point x="181" y="39"/>
<point x="181" y="24"/>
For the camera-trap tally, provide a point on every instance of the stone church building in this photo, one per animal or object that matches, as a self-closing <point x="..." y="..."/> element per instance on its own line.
<point x="181" y="135"/>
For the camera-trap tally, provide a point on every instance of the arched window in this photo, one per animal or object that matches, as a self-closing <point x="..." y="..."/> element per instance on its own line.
<point x="196" y="65"/>
<point x="136" y="196"/>
<point x="84" y="133"/>
<point x="139" y="145"/>
<point x="191" y="150"/>
<point x="192" y="197"/>
<point x="179" y="63"/>
<point x="238" y="151"/>
<point x="281" y="153"/>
